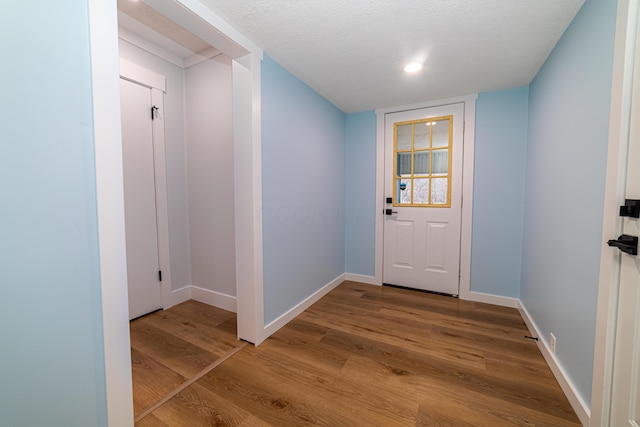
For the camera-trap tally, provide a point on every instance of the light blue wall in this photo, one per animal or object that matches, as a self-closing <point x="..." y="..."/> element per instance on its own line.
<point x="303" y="155"/>
<point x="568" y="126"/>
<point x="51" y="361"/>
<point x="360" y="193"/>
<point x="498" y="191"/>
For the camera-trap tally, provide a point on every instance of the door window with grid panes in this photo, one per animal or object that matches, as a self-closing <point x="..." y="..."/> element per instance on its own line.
<point x="422" y="170"/>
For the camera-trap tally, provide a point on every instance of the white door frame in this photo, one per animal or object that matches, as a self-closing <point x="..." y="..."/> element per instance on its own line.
<point x="246" y="63"/>
<point x="103" y="39"/>
<point x="467" y="188"/>
<point x="619" y="119"/>
<point x="158" y="84"/>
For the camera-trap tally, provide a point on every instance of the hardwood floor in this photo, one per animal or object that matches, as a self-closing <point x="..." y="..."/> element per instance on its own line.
<point x="362" y="355"/>
<point x="170" y="347"/>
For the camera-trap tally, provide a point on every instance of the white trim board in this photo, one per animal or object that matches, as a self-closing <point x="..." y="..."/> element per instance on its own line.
<point x="577" y="403"/>
<point x="360" y="278"/>
<point x="213" y="298"/>
<point x="467" y="184"/>
<point x="178" y="296"/>
<point x="281" y="321"/>
<point x="142" y="76"/>
<point x="147" y="46"/>
<point x="205" y="296"/>
<point x="162" y="53"/>
<point x="493" y="299"/>
<point x="105" y="85"/>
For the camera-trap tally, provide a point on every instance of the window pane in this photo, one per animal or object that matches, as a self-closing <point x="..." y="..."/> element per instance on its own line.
<point x="421" y="191"/>
<point x="404" y="137"/>
<point x="403" y="191"/>
<point x="439" y="191"/>
<point x="441" y="133"/>
<point x="404" y="164"/>
<point x="440" y="162"/>
<point x="422" y="136"/>
<point x="421" y="163"/>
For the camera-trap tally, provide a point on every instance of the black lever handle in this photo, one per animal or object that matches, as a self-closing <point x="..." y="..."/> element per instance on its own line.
<point x="627" y="244"/>
<point x="389" y="212"/>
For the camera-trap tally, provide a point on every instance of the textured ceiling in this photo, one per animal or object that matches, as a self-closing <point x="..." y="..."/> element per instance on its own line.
<point x="353" y="51"/>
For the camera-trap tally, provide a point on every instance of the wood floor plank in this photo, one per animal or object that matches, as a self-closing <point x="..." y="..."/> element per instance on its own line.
<point x="299" y="339"/>
<point x="364" y="355"/>
<point x="196" y="406"/>
<point x="397" y="332"/>
<point x="195" y="310"/>
<point x="199" y="331"/>
<point x="283" y="393"/>
<point x="450" y="407"/>
<point x="151" y="381"/>
<point x="431" y="303"/>
<point x="173" y="352"/>
<point x="340" y="387"/>
<point x="531" y="366"/>
<point x="152" y="421"/>
<point x="496" y="343"/>
<point x="514" y="333"/>
<point x="267" y="397"/>
<point x="410" y="364"/>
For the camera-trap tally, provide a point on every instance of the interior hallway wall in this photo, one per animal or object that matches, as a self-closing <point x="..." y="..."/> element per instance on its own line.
<point x="360" y="193"/>
<point x="498" y="191"/>
<point x="52" y="370"/>
<point x="209" y="130"/>
<point x="303" y="186"/>
<point x="569" y="103"/>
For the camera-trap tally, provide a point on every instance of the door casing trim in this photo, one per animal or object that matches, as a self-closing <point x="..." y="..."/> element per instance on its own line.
<point x="627" y="22"/>
<point x="469" y="102"/>
<point x="103" y="39"/>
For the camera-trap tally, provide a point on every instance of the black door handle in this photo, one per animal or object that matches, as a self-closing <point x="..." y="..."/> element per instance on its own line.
<point x="626" y="243"/>
<point x="389" y="212"/>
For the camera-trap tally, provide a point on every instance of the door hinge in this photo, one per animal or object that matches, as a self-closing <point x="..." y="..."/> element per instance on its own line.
<point x="154" y="112"/>
<point x="160" y="275"/>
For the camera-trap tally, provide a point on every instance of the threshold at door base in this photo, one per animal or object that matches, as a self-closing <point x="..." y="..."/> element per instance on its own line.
<point x="420" y="290"/>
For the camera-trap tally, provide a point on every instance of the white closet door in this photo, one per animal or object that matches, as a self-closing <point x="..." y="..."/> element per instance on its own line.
<point x="140" y="199"/>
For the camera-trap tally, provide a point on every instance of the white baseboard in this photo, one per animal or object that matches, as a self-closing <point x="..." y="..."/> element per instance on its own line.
<point x="216" y="299"/>
<point x="490" y="299"/>
<point x="206" y="296"/>
<point x="361" y="278"/>
<point x="577" y="403"/>
<point x="179" y="296"/>
<point x="272" y="327"/>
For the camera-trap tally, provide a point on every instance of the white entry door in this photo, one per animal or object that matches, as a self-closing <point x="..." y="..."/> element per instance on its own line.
<point x="625" y="398"/>
<point x="140" y="199"/>
<point x="423" y="191"/>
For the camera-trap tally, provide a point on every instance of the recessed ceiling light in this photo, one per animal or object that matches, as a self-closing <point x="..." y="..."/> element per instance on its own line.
<point x="413" y="67"/>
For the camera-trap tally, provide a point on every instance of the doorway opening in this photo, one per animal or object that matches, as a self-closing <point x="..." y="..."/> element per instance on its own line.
<point x="192" y="152"/>
<point x="177" y="137"/>
<point x="246" y="61"/>
<point x="467" y="116"/>
<point x="423" y="198"/>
